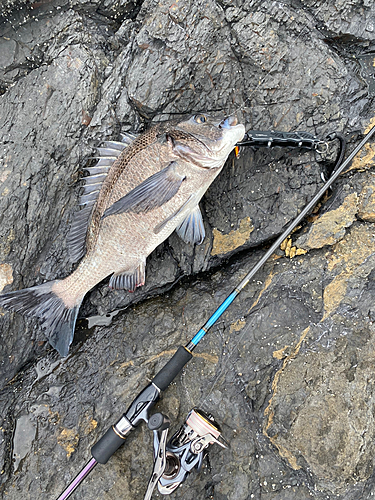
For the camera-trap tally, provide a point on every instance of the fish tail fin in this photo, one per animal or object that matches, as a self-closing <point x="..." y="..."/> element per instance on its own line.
<point x="41" y="302"/>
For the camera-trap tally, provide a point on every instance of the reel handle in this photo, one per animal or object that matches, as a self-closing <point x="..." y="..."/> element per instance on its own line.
<point x="159" y="424"/>
<point x="176" y="459"/>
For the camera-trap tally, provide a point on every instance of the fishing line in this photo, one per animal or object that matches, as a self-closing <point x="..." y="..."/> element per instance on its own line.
<point x="338" y="163"/>
<point x="304" y="30"/>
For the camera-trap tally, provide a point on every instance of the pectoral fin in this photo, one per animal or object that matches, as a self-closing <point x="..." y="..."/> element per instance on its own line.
<point x="150" y="194"/>
<point x="191" y="230"/>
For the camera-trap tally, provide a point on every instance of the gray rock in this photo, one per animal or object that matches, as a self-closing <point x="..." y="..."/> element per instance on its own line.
<point x="288" y="369"/>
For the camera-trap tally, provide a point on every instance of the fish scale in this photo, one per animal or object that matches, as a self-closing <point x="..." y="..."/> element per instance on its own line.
<point x="139" y="192"/>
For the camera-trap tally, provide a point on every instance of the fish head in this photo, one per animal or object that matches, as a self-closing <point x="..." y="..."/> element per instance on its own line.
<point x="207" y="140"/>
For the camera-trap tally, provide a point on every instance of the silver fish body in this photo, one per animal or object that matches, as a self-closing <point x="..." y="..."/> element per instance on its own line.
<point x="140" y="191"/>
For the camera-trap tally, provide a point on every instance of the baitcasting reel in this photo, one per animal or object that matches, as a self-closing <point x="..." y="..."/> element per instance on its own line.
<point x="175" y="459"/>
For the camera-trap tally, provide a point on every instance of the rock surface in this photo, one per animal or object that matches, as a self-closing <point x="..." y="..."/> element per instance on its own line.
<point x="289" y="369"/>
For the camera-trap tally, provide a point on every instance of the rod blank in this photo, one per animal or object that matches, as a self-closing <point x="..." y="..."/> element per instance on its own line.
<point x="78" y="479"/>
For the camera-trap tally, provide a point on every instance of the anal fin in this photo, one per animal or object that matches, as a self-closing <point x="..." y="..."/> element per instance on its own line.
<point x="129" y="280"/>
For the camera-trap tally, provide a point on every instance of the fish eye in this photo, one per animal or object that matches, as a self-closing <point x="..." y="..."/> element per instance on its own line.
<point x="200" y="118"/>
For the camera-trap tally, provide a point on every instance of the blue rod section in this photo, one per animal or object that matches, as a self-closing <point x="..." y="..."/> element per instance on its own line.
<point x="216" y="315"/>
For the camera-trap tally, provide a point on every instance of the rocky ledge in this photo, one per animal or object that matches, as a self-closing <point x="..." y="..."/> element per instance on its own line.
<point x="288" y="370"/>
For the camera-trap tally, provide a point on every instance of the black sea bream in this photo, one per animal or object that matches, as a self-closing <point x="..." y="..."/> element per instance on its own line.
<point x="140" y="191"/>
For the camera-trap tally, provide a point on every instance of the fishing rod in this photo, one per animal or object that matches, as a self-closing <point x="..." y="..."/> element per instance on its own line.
<point x="176" y="458"/>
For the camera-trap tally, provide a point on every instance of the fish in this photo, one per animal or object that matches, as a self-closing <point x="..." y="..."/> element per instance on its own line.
<point x="142" y="189"/>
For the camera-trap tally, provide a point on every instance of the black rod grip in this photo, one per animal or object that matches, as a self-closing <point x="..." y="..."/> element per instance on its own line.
<point x="106" y="446"/>
<point x="163" y="378"/>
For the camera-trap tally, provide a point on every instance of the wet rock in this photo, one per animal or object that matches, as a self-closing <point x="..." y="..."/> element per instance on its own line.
<point x="287" y="370"/>
<point x="320" y="374"/>
<point x="23" y="438"/>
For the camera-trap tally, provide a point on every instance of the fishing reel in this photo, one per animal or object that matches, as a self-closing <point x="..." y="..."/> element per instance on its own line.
<point x="184" y="452"/>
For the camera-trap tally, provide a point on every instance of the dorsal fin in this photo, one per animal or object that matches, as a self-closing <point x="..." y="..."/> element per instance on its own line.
<point x="128" y="138"/>
<point x="92" y="185"/>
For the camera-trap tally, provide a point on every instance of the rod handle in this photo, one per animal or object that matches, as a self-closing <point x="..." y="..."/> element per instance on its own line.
<point x="106" y="446"/>
<point x="169" y="371"/>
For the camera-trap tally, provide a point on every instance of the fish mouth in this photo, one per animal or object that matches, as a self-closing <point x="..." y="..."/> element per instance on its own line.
<point x="228" y="122"/>
<point x="217" y="142"/>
